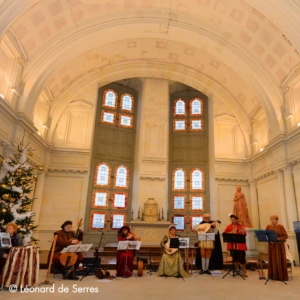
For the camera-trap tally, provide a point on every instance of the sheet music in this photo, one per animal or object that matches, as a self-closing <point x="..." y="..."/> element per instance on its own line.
<point x="5" y="240"/>
<point x="130" y="245"/>
<point x="206" y="237"/>
<point x="184" y="242"/>
<point x="77" y="248"/>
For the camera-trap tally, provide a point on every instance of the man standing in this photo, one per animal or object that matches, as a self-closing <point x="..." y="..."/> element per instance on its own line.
<point x="65" y="238"/>
<point x="237" y="251"/>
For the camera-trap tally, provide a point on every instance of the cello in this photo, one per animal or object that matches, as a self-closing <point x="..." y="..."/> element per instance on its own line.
<point x="69" y="259"/>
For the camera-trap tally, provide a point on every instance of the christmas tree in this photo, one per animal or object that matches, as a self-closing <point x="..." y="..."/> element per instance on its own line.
<point x="16" y="182"/>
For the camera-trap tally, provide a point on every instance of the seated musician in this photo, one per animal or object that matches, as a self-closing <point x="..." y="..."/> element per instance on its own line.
<point x="65" y="238"/>
<point x="209" y="253"/>
<point x="171" y="262"/>
<point x="16" y="240"/>
<point x="124" y="234"/>
<point x="238" y="253"/>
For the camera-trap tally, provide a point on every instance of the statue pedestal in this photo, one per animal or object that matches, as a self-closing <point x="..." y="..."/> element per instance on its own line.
<point x="150" y="233"/>
<point x="250" y="242"/>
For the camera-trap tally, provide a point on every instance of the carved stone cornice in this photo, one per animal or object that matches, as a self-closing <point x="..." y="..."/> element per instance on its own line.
<point x="65" y="170"/>
<point x="152" y="178"/>
<point x="230" y="179"/>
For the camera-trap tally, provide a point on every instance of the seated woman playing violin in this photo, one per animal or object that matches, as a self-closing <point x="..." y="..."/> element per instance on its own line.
<point x="124" y="234"/>
<point x="16" y="240"/>
<point x="65" y="238"/>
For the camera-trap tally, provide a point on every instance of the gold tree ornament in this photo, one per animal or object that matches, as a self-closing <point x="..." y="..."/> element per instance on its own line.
<point x="5" y="196"/>
<point x="19" y="171"/>
<point x="4" y="210"/>
<point x="21" y="195"/>
<point x="11" y="183"/>
<point x="12" y="199"/>
<point x="31" y="180"/>
<point x="4" y="186"/>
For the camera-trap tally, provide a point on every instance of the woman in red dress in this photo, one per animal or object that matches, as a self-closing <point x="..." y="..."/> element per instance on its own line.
<point x="125" y="235"/>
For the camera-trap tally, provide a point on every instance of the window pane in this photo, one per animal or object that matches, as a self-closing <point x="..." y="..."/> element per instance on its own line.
<point x="196" y="221"/>
<point x="102" y="175"/>
<point x="98" y="220"/>
<point x="179" y="222"/>
<point x="196" y="108"/>
<point x="179" y="125"/>
<point x="121" y="177"/>
<point x="110" y="99"/>
<point x="125" y="121"/>
<point x="197" y="180"/>
<point x="178" y="202"/>
<point x="179" y="180"/>
<point x="100" y="199"/>
<point x="118" y="221"/>
<point x="119" y="200"/>
<point x="180" y="108"/>
<point x="127" y="102"/>
<point x="108" y="117"/>
<point x="196" y="124"/>
<point x="197" y="203"/>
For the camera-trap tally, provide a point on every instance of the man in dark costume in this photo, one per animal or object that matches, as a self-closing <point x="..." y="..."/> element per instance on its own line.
<point x="216" y="257"/>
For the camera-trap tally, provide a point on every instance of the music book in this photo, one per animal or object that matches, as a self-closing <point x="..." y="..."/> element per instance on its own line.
<point x="184" y="242"/>
<point x="77" y="248"/>
<point x="206" y="237"/>
<point x="5" y="241"/>
<point x="266" y="235"/>
<point x="129" y="245"/>
<point x="174" y="243"/>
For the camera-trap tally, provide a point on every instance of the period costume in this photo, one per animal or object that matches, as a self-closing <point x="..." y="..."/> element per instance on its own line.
<point x="170" y="264"/>
<point x="240" y="208"/>
<point x="237" y="251"/>
<point x="123" y="254"/>
<point x="212" y="253"/>
<point x="64" y="239"/>
<point x="277" y="267"/>
<point x="16" y="241"/>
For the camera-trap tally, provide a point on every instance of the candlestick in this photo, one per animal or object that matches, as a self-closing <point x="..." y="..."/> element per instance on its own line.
<point x="138" y="214"/>
<point x="143" y="216"/>
<point x="162" y="214"/>
<point x="131" y="215"/>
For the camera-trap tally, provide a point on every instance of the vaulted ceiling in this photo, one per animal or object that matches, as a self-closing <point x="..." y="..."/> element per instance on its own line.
<point x="237" y="51"/>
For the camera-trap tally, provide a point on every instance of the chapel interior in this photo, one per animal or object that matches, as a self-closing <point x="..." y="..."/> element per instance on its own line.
<point x="63" y="61"/>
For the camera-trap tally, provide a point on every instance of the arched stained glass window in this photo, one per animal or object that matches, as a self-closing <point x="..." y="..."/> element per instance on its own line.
<point x="121" y="177"/>
<point x="179" y="178"/>
<point x="180" y="107"/>
<point x="102" y="175"/>
<point x="127" y="102"/>
<point x="197" y="180"/>
<point x="110" y="98"/>
<point x="196" y="107"/>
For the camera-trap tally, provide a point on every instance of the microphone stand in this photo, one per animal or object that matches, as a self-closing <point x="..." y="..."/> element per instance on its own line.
<point x="97" y="263"/>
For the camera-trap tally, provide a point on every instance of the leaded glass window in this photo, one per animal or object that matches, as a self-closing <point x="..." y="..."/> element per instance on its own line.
<point x="179" y="222"/>
<point x="110" y="98"/>
<point x="196" y="105"/>
<point x="102" y="176"/>
<point x="118" y="220"/>
<point x="97" y="220"/>
<point x="125" y="121"/>
<point x="179" y="179"/>
<point x="100" y="199"/>
<point x="121" y="177"/>
<point x="197" y="203"/>
<point x="108" y="117"/>
<point x="179" y="202"/>
<point x="196" y="125"/>
<point x="179" y="125"/>
<point x="127" y="102"/>
<point x="120" y="200"/>
<point x="195" y="220"/>
<point x="196" y="180"/>
<point x="179" y="109"/>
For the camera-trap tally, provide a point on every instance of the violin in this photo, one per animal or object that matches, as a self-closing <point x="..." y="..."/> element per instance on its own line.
<point x="69" y="259"/>
<point x="130" y="236"/>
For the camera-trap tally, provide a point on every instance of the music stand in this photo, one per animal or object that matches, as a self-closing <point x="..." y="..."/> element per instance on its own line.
<point x="270" y="236"/>
<point x="73" y="249"/>
<point x="205" y="237"/>
<point x="234" y="239"/>
<point x="297" y="232"/>
<point x="151" y="264"/>
<point x="128" y="245"/>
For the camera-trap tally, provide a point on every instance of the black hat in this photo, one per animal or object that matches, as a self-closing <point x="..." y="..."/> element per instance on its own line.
<point x="233" y="217"/>
<point x="65" y="224"/>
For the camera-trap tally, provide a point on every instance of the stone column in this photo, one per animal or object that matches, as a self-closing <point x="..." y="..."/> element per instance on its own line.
<point x="283" y="219"/>
<point x="254" y="204"/>
<point x="38" y="195"/>
<point x="152" y="140"/>
<point x="290" y="198"/>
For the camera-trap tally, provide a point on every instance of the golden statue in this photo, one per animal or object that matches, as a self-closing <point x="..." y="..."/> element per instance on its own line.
<point x="240" y="208"/>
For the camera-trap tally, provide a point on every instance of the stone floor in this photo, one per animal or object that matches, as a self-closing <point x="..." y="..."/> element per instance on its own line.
<point x="153" y="287"/>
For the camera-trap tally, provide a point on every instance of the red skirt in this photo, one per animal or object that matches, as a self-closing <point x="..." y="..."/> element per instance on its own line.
<point x="121" y="263"/>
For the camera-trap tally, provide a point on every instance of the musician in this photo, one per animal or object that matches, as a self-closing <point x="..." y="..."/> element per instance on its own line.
<point x="277" y="267"/>
<point x="239" y="253"/>
<point x="209" y="254"/>
<point x="65" y="238"/>
<point x="124" y="234"/>
<point x="16" y="241"/>
<point x="171" y="262"/>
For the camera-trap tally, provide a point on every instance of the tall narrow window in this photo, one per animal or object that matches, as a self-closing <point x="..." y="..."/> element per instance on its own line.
<point x="179" y="178"/>
<point x="127" y="102"/>
<point x="102" y="175"/>
<point x="180" y="107"/>
<point x="121" y="177"/>
<point x="97" y="220"/>
<point x="117" y="220"/>
<point x="197" y="179"/>
<point x="196" y="107"/>
<point x="179" y="221"/>
<point x="110" y="98"/>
